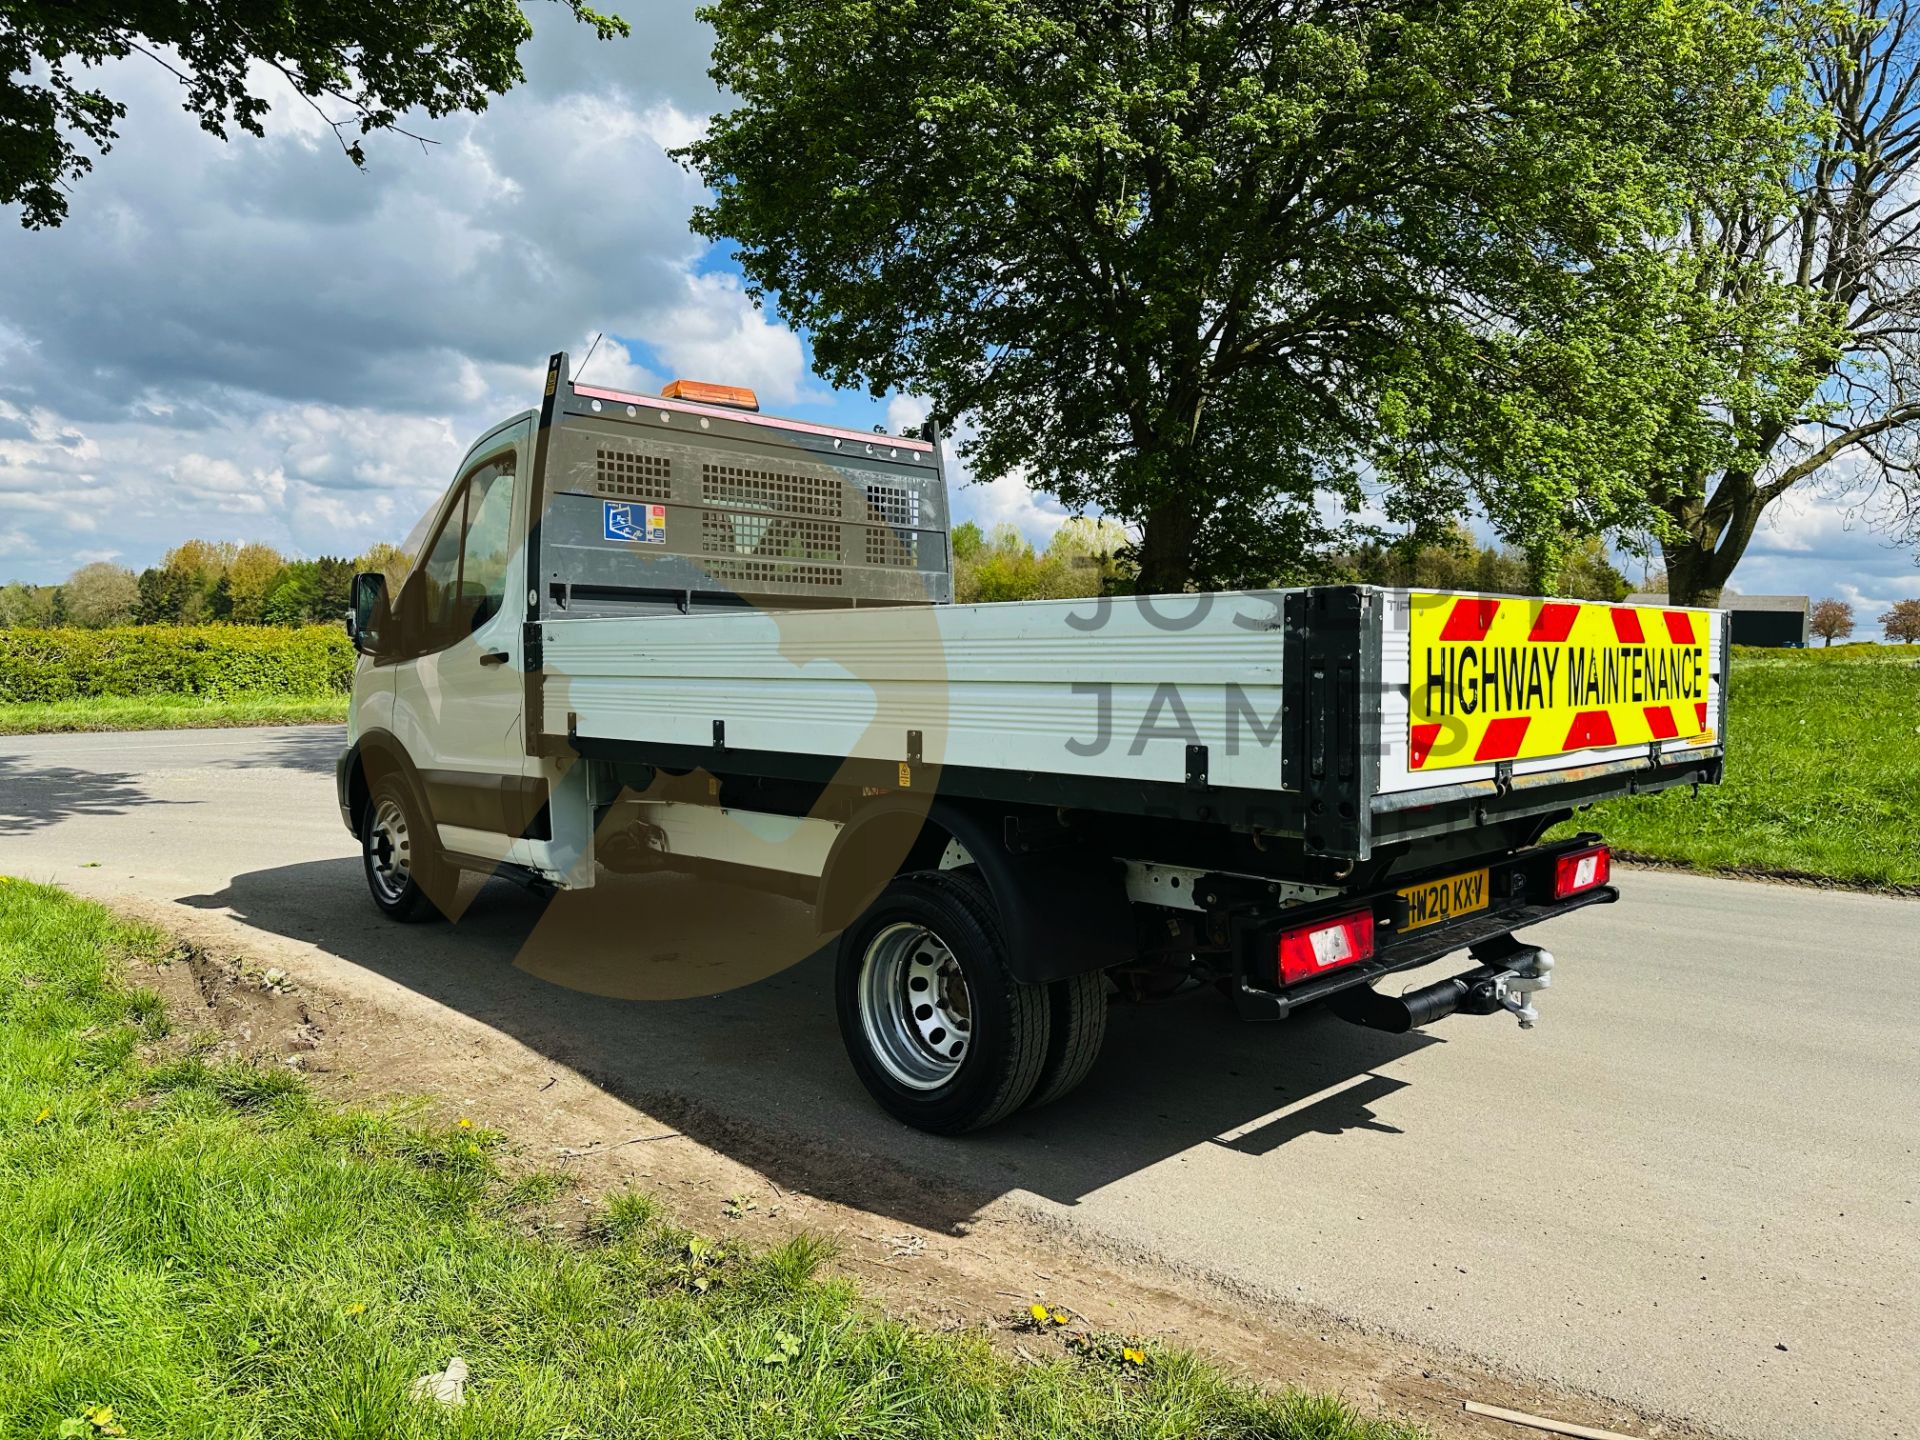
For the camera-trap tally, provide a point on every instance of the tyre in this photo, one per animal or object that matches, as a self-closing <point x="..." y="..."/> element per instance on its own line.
<point x="400" y="856"/>
<point x="1078" y="1006"/>
<point x="937" y="1029"/>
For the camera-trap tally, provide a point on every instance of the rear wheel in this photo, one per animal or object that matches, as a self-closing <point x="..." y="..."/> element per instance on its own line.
<point x="397" y="850"/>
<point x="937" y="1029"/>
<point x="1078" y="1029"/>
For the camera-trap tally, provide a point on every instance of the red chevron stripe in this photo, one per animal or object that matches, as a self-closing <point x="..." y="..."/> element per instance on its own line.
<point x="1660" y="722"/>
<point x="1590" y="727"/>
<point x="1700" y="709"/>
<point x="1553" y="624"/>
<point x="1470" y="620"/>
<point x="1420" y="745"/>
<point x="1679" y="626"/>
<point x="1626" y="627"/>
<point x="1503" y="737"/>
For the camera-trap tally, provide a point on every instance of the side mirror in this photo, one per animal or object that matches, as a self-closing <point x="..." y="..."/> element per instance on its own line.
<point x="368" y="613"/>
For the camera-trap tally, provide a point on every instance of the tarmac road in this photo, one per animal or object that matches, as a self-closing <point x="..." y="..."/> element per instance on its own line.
<point x="1694" y="1188"/>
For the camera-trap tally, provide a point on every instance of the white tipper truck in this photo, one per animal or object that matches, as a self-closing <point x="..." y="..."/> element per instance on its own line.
<point x="668" y="631"/>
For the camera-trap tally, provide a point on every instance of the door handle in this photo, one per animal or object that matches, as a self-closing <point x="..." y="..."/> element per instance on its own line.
<point x="494" y="657"/>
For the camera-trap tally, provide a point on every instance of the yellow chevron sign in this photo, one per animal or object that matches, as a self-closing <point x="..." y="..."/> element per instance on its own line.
<point x="1498" y="679"/>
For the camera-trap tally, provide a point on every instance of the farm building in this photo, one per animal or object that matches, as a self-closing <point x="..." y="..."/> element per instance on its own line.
<point x="1757" y="619"/>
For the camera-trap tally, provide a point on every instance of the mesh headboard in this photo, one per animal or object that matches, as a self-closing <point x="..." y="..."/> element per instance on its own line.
<point x="643" y="501"/>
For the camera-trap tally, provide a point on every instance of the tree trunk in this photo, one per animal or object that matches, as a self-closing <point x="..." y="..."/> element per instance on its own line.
<point x="1690" y="574"/>
<point x="1702" y="559"/>
<point x="1166" y="548"/>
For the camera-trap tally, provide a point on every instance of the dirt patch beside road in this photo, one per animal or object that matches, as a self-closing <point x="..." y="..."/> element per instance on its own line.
<point x="984" y="1272"/>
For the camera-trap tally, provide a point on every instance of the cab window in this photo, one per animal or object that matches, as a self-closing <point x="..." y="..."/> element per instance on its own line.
<point x="461" y="582"/>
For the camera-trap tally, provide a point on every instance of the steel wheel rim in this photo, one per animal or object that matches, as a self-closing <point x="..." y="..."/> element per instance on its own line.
<point x="389" y="849"/>
<point x="915" y="1007"/>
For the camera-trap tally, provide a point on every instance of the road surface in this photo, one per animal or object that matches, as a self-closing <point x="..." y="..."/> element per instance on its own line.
<point x="1695" y="1188"/>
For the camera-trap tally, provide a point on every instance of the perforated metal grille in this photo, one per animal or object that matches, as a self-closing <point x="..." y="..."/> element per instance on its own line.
<point x="892" y="547"/>
<point x="893" y="505"/>
<point x="751" y="575"/>
<point x="780" y="490"/>
<point x="630" y="475"/>
<point x="781" y="537"/>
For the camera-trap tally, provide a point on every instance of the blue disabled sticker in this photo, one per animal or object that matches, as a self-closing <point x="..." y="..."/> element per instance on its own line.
<point x="636" y="524"/>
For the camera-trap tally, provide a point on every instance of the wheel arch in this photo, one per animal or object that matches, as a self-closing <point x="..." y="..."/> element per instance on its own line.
<point x="1062" y="912"/>
<point x="377" y="752"/>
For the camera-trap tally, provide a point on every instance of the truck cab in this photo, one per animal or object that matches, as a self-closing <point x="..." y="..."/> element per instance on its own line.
<point x="644" y="633"/>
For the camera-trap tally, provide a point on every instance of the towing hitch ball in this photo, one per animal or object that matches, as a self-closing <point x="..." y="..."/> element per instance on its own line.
<point x="1516" y="986"/>
<point x="1509" y="986"/>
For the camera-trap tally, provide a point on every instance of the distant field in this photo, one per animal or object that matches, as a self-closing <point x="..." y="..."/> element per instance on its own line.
<point x="168" y="712"/>
<point x="1823" y="774"/>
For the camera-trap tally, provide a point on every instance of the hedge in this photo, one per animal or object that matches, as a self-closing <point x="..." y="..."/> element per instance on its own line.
<point x="215" y="661"/>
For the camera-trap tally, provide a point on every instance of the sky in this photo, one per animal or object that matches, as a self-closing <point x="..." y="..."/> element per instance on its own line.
<point x="253" y="340"/>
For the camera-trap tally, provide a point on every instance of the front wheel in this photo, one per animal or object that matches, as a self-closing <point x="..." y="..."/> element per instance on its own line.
<point x="937" y="1029"/>
<point x="397" y="850"/>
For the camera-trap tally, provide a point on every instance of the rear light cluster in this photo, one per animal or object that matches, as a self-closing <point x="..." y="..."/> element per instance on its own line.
<point x="1320" y="945"/>
<point x="1581" y="871"/>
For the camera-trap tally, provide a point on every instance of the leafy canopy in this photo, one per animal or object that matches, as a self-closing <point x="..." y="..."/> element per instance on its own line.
<point x="361" y="63"/>
<point x="1188" y="262"/>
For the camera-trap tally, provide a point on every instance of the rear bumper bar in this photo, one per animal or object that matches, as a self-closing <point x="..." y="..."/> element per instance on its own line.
<point x="1522" y="889"/>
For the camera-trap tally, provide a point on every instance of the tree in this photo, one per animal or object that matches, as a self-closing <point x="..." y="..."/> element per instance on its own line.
<point x="967" y="540"/>
<point x="1006" y="567"/>
<point x="1187" y="264"/>
<point x="1832" y="620"/>
<point x="164" y="595"/>
<point x="390" y="560"/>
<point x="1457" y="561"/>
<point x="311" y="592"/>
<point x="1810" y="350"/>
<point x="98" y="595"/>
<point x="1903" y="621"/>
<point x="250" y="577"/>
<point x="190" y="592"/>
<point x="23" y="605"/>
<point x="360" y="64"/>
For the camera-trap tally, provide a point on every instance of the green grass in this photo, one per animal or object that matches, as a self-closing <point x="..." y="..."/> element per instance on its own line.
<point x="168" y="712"/>
<point x="213" y="1252"/>
<point x="1823" y="775"/>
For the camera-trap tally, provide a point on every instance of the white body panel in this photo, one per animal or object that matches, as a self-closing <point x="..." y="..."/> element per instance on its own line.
<point x="1016" y="686"/>
<point x="1080" y="687"/>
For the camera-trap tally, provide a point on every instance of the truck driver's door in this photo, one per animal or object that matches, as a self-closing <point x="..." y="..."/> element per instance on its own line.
<point x="459" y="684"/>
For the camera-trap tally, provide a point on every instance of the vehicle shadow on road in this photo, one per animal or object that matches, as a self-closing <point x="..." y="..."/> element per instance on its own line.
<point x="711" y="1007"/>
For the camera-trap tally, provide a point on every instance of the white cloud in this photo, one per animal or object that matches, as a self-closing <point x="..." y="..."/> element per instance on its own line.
<point x="713" y="332"/>
<point x="255" y="340"/>
<point x="905" y="412"/>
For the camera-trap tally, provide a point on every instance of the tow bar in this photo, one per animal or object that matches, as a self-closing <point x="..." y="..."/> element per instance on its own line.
<point x="1507" y="980"/>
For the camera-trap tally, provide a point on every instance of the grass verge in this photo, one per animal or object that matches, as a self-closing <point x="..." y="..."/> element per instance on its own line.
<point x="206" y="1250"/>
<point x="168" y="712"/>
<point x="1823" y="776"/>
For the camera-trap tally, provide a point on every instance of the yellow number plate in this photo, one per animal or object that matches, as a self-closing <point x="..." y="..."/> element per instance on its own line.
<point x="1448" y="899"/>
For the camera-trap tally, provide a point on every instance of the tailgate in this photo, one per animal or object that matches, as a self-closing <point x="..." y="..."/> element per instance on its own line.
<point x="1490" y="688"/>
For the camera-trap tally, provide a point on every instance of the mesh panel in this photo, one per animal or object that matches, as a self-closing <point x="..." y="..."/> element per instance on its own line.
<point x="725" y="533"/>
<point x="890" y="547"/>
<point x="630" y="475"/>
<point x="893" y="505"/>
<point x="751" y="575"/>
<point x="770" y="490"/>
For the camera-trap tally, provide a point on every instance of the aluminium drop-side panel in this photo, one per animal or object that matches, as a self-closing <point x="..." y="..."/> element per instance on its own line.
<point x="1098" y="688"/>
